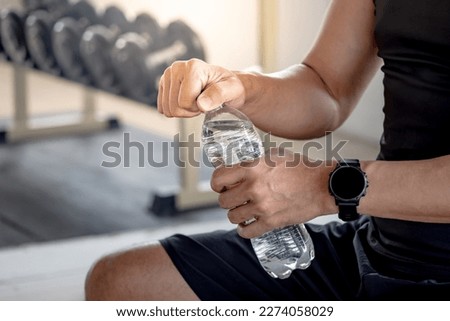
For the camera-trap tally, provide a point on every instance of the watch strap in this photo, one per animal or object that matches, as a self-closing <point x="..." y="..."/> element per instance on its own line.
<point x="350" y="162"/>
<point x="348" y="212"/>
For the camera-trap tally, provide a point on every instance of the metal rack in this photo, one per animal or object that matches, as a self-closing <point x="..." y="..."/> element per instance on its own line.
<point x="22" y="127"/>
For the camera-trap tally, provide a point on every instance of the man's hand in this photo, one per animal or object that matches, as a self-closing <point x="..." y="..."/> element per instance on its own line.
<point x="188" y="88"/>
<point x="278" y="190"/>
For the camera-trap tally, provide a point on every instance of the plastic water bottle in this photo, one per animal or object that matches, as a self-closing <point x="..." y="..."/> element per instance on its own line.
<point x="230" y="138"/>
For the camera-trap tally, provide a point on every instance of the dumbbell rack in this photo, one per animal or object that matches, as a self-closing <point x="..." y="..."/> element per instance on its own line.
<point x="22" y="129"/>
<point x="191" y="193"/>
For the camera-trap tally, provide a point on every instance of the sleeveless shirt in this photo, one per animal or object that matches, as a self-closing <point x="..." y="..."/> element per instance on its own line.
<point x="413" y="39"/>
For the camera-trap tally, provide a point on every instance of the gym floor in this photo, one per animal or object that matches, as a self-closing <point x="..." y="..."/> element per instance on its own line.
<point x="38" y="260"/>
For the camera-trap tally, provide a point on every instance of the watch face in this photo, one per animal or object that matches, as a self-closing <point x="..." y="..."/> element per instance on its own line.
<point x="347" y="183"/>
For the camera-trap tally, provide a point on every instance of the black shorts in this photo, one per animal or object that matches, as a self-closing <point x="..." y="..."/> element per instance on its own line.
<point x="222" y="266"/>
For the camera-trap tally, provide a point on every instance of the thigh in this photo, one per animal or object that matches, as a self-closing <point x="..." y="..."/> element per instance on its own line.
<point x="140" y="273"/>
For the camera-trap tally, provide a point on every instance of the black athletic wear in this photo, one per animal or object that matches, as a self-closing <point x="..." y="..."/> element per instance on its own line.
<point x="222" y="266"/>
<point x="370" y="258"/>
<point x="413" y="38"/>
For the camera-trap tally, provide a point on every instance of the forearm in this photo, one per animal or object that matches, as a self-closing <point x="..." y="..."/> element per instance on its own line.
<point x="409" y="190"/>
<point x="405" y="190"/>
<point x="293" y="103"/>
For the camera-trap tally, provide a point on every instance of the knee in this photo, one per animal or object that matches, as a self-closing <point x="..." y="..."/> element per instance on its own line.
<point x="103" y="281"/>
<point x="135" y="274"/>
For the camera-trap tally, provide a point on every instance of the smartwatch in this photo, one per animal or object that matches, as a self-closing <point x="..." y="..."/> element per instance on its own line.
<point x="347" y="184"/>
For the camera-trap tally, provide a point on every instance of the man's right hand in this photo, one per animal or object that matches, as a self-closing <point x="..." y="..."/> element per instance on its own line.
<point x="188" y="88"/>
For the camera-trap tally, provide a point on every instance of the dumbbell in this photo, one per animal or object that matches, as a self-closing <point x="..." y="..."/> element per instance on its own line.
<point x="65" y="40"/>
<point x="140" y="67"/>
<point x="30" y="5"/>
<point x="12" y="30"/>
<point x="113" y="17"/>
<point x="13" y="37"/>
<point x="38" y="31"/>
<point x="98" y="41"/>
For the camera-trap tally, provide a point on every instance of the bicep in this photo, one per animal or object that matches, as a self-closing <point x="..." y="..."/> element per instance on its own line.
<point x="345" y="54"/>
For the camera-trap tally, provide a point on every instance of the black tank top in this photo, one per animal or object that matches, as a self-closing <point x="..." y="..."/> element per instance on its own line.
<point x="413" y="38"/>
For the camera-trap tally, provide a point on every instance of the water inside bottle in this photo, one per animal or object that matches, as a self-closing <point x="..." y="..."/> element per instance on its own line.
<point x="283" y="250"/>
<point x="229" y="142"/>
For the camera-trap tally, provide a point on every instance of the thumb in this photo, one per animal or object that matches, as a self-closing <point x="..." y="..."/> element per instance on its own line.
<point x="228" y="91"/>
<point x="205" y="103"/>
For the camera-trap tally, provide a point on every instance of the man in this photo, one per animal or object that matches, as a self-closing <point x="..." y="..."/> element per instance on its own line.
<point x="399" y="249"/>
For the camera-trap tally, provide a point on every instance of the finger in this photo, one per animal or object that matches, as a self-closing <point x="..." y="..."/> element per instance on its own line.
<point x="234" y="197"/>
<point x="175" y="83"/>
<point x="165" y="85"/>
<point x="227" y="90"/>
<point x="253" y="221"/>
<point x="188" y="80"/>
<point x="252" y="230"/>
<point x="160" y="95"/>
<point x="165" y="105"/>
<point x="188" y="92"/>
<point x="190" y="88"/>
<point x="252" y="226"/>
<point x="224" y="178"/>
<point x="175" y="110"/>
<point x="243" y="214"/>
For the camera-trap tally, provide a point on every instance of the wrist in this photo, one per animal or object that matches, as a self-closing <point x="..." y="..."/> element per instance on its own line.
<point x="251" y="82"/>
<point x="328" y="202"/>
<point x="348" y="184"/>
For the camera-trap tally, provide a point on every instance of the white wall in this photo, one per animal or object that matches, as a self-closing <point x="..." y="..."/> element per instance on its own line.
<point x="227" y="27"/>
<point x="300" y="21"/>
